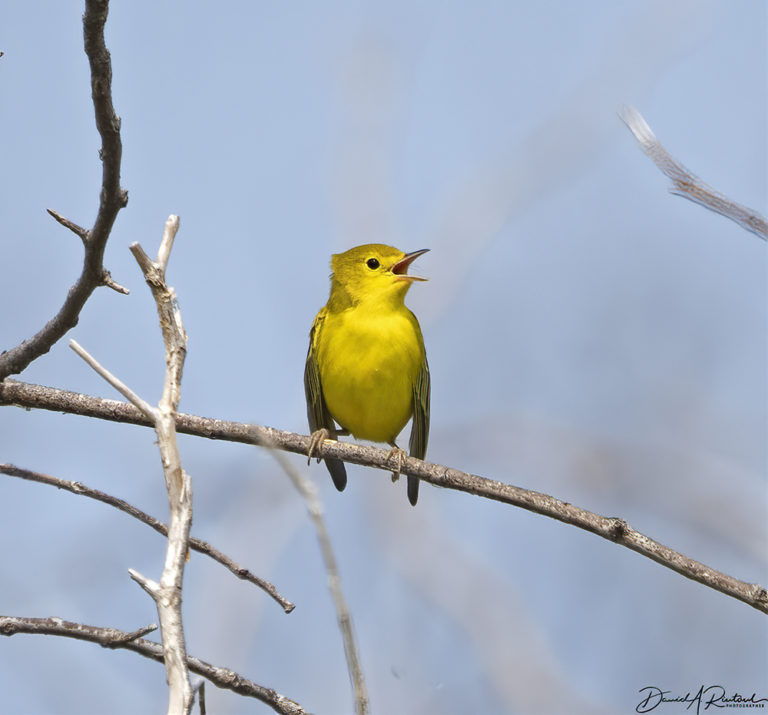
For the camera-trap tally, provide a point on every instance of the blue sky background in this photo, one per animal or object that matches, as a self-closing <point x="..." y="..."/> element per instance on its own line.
<point x="589" y="336"/>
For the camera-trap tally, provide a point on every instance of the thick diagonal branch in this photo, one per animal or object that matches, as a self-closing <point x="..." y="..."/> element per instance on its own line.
<point x="112" y="199"/>
<point x="613" y="529"/>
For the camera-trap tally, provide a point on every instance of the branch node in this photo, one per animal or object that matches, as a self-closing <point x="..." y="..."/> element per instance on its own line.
<point x="617" y="529"/>
<point x="148" y="267"/>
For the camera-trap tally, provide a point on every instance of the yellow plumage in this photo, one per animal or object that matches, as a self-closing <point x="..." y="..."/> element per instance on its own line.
<point x="366" y="365"/>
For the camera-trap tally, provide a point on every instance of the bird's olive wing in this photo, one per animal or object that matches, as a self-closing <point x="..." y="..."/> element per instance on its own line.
<point x="420" y="428"/>
<point x="318" y="415"/>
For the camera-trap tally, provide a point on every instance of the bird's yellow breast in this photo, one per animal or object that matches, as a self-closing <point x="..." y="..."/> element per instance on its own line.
<point x="368" y="362"/>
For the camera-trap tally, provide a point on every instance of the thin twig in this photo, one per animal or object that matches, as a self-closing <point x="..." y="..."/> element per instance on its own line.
<point x="115" y="638"/>
<point x="112" y="199"/>
<point x="49" y="398"/>
<point x="79" y="231"/>
<point x="308" y="492"/>
<point x="118" y="384"/>
<point x="118" y="641"/>
<point x="107" y="280"/>
<point x="687" y="184"/>
<point x="166" y="244"/>
<point x="198" y="545"/>
<point x="199" y="690"/>
<point x="150" y="586"/>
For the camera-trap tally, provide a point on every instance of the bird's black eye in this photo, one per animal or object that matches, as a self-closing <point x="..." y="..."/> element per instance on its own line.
<point x="372" y="263"/>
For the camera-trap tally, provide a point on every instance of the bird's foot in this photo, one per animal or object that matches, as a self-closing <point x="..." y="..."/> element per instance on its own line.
<point x="314" y="440"/>
<point x="398" y="456"/>
<point x="319" y="435"/>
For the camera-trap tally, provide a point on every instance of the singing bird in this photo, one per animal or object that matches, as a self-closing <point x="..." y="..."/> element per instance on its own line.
<point x="366" y="366"/>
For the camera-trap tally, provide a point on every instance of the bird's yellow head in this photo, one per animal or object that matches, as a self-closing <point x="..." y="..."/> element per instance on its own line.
<point x="373" y="272"/>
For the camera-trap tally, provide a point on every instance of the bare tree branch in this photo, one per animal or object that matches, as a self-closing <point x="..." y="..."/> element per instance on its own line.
<point x="687" y="184"/>
<point x="167" y="593"/>
<point x="114" y="638"/>
<point x="113" y="198"/>
<point x="198" y="545"/>
<point x="614" y="529"/>
<point x="308" y="492"/>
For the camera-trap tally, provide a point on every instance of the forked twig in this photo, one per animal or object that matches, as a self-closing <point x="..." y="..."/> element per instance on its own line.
<point x="687" y="184"/>
<point x="167" y="592"/>
<point x="112" y="199"/>
<point x="198" y="545"/>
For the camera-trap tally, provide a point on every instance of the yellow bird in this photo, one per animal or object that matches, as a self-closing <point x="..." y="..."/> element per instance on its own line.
<point x="366" y="365"/>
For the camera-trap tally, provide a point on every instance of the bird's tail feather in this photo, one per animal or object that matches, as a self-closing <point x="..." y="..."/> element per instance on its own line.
<point x="338" y="473"/>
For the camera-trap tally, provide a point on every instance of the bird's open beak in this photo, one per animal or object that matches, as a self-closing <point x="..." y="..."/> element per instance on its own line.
<point x="400" y="269"/>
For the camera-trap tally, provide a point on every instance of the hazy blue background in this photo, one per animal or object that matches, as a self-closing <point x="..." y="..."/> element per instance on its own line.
<point x="589" y="336"/>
